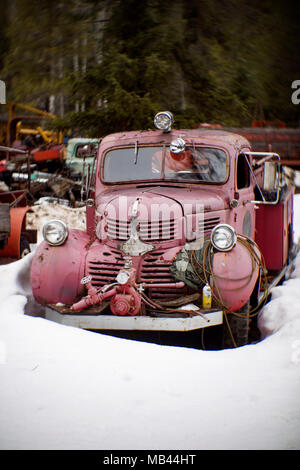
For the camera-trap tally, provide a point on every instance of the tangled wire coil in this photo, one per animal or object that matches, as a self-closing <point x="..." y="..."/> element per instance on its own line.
<point x="209" y="276"/>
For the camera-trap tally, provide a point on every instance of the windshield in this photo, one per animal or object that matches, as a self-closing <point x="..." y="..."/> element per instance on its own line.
<point x="158" y="163"/>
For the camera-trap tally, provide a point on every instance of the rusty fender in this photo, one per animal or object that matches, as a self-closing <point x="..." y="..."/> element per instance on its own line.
<point x="56" y="271"/>
<point x="235" y="274"/>
<point x="17" y="224"/>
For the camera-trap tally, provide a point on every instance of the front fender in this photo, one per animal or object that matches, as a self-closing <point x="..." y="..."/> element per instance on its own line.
<point x="56" y="271"/>
<point x="235" y="274"/>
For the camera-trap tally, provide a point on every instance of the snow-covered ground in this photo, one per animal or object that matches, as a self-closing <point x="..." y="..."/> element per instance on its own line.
<point x="65" y="388"/>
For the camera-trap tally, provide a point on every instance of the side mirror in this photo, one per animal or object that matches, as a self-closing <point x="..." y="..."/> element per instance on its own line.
<point x="86" y="150"/>
<point x="270" y="172"/>
<point x="270" y="176"/>
<point x="82" y="151"/>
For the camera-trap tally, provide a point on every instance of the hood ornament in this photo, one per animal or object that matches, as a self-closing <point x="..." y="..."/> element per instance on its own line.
<point x="134" y="246"/>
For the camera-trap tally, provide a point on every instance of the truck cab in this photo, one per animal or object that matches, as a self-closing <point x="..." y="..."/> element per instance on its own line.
<point x="179" y="223"/>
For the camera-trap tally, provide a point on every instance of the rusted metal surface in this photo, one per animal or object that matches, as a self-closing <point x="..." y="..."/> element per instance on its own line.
<point x="137" y="323"/>
<point x="17" y="224"/>
<point x="284" y="141"/>
<point x="15" y="205"/>
<point x="235" y="275"/>
<point x="50" y="152"/>
<point x="56" y="271"/>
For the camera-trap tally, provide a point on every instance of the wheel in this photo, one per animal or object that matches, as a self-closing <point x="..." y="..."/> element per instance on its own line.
<point x="24" y="247"/>
<point x="236" y="328"/>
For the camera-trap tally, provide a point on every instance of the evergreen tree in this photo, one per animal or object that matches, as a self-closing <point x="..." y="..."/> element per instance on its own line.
<point x="114" y="64"/>
<point x="45" y="40"/>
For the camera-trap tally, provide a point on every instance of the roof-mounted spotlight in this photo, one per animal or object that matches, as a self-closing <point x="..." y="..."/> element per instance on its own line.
<point x="163" y="121"/>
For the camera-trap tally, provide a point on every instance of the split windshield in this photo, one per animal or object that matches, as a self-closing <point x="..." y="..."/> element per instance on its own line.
<point x="158" y="163"/>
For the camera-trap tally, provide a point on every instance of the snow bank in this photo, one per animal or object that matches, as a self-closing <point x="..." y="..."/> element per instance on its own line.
<point x="65" y="388"/>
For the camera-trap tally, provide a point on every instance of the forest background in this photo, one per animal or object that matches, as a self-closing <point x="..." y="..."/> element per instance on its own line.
<point x="106" y="66"/>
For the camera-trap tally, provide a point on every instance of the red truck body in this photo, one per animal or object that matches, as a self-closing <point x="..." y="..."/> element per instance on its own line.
<point x="172" y="212"/>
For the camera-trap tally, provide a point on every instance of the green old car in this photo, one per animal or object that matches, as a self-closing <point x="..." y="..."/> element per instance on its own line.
<point x="80" y="155"/>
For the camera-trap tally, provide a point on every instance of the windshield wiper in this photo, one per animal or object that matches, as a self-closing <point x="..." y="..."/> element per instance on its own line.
<point x="135" y="152"/>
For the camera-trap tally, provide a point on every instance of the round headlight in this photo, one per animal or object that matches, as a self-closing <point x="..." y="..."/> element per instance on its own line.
<point x="163" y="121"/>
<point x="55" y="232"/>
<point x="223" y="237"/>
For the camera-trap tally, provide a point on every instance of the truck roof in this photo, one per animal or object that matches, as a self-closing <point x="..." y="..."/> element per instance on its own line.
<point x="205" y="136"/>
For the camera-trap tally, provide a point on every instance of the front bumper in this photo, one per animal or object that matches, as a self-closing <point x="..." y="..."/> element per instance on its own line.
<point x="169" y="322"/>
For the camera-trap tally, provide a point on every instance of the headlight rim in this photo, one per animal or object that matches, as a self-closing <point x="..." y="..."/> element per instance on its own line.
<point x="227" y="227"/>
<point x="65" y="229"/>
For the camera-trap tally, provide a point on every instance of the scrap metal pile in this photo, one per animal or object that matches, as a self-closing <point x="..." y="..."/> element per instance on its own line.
<point x="44" y="177"/>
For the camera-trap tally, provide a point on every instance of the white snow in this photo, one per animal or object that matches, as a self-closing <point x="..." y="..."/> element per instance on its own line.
<point x="66" y="388"/>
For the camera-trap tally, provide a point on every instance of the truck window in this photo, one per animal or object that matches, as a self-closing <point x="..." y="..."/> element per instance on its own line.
<point x="201" y="164"/>
<point x="242" y="172"/>
<point x="130" y="164"/>
<point x="195" y="164"/>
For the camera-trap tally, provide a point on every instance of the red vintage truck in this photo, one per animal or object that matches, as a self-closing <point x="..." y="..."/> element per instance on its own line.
<point x="186" y="230"/>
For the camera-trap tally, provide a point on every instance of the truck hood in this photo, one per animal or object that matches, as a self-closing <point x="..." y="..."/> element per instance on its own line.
<point x="182" y="201"/>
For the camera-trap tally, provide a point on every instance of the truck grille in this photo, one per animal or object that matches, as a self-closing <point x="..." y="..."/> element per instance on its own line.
<point x="154" y="230"/>
<point x="151" y="270"/>
<point x="104" y="266"/>
<point x="105" y="272"/>
<point x="207" y="225"/>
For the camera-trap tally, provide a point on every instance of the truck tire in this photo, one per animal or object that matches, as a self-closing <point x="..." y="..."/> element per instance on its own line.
<point x="236" y="328"/>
